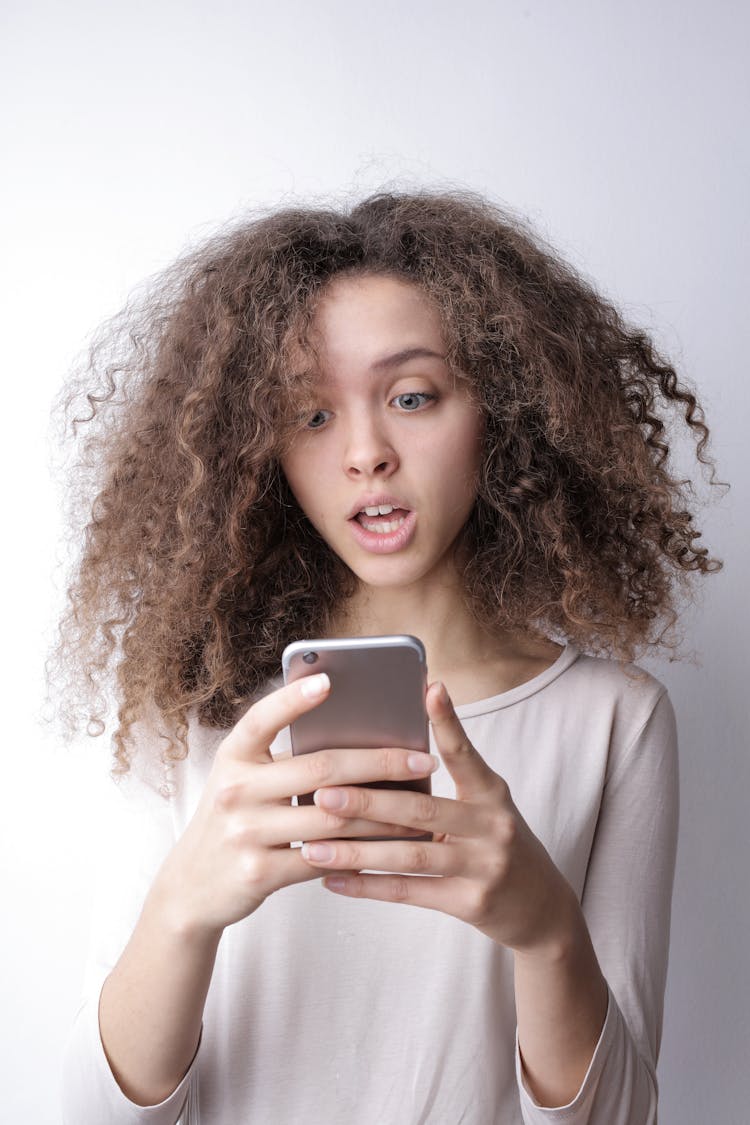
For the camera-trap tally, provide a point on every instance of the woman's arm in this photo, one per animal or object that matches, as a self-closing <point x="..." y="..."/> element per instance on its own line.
<point x="573" y="1064"/>
<point x="561" y="1005"/>
<point x="591" y="980"/>
<point x="151" y="1004"/>
<point x="97" y="1085"/>
<point x="234" y="852"/>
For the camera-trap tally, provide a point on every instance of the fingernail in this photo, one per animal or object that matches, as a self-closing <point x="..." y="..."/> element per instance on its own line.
<point x="335" y="883"/>
<point x="317" y="851"/>
<point x="310" y="686"/>
<point x="421" y="762"/>
<point x="330" y="798"/>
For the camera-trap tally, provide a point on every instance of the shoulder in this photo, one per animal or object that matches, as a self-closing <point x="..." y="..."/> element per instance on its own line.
<point x="585" y="689"/>
<point x="606" y="683"/>
<point x="631" y="704"/>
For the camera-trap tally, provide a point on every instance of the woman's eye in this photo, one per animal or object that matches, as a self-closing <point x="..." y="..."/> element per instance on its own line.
<point x="317" y="420"/>
<point x="411" y="400"/>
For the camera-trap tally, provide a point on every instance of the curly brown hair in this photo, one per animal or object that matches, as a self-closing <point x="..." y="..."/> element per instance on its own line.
<point x="197" y="565"/>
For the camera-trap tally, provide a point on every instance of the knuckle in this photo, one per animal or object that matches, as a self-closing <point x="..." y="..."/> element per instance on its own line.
<point x="332" y="822"/>
<point x="390" y="763"/>
<point x="227" y="796"/>
<point x="239" y="835"/>
<point x="503" y="789"/>
<point x="248" y="731"/>
<point x="252" y="727"/>
<point x="361" y="801"/>
<point x="420" y="858"/>
<point x="320" y="765"/>
<point x="476" y="906"/>
<point x="356" y="886"/>
<point x="400" y="889"/>
<point x="498" y="868"/>
<point x="426" y="808"/>
<point x="254" y="867"/>
<point x="505" y="828"/>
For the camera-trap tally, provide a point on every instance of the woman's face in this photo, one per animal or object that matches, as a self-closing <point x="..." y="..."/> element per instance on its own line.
<point x="389" y="429"/>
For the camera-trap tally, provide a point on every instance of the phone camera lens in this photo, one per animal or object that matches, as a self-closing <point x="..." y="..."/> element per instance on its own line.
<point x="310" y="657"/>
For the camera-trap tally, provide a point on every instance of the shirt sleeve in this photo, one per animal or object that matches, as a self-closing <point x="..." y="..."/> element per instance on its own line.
<point x="626" y="901"/>
<point x="140" y="834"/>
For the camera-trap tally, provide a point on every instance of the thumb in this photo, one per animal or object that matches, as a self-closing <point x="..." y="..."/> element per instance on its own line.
<point x="463" y="761"/>
<point x="252" y="735"/>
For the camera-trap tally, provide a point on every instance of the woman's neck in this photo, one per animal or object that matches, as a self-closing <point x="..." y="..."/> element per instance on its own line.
<point x="472" y="663"/>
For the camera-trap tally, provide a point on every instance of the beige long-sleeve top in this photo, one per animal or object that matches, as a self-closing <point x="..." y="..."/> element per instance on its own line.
<point x="325" y="1010"/>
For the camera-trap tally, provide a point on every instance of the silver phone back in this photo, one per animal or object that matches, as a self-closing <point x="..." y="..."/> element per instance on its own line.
<point x="377" y="698"/>
<point x="377" y="693"/>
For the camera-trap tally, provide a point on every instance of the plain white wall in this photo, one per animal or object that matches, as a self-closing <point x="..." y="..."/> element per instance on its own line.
<point x="620" y="130"/>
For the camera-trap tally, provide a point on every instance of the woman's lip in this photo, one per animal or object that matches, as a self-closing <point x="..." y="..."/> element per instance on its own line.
<point x="378" y="543"/>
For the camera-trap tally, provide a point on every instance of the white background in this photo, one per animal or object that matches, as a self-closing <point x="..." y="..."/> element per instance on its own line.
<point x="130" y="130"/>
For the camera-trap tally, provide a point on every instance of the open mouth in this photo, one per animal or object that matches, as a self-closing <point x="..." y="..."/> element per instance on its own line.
<point x="383" y="520"/>
<point x="384" y="529"/>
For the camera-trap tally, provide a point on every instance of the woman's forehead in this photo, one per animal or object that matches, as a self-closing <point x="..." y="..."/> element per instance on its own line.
<point x="380" y="321"/>
<point x="375" y="295"/>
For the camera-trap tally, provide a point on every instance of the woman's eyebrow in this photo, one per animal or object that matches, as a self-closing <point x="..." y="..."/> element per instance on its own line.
<point x="404" y="356"/>
<point x="389" y="361"/>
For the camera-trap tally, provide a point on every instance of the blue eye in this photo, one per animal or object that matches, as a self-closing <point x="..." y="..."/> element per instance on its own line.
<point x="413" y="395"/>
<point x="317" y="415"/>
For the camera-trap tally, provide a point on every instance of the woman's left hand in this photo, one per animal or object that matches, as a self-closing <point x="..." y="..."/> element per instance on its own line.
<point x="494" y="873"/>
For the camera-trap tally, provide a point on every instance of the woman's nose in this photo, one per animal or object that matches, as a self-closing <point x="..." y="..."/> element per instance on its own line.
<point x="369" y="451"/>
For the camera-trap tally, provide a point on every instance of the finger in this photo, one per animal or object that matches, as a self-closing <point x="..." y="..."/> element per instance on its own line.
<point x="419" y="810"/>
<point x="418" y="857"/>
<point x="277" y="827"/>
<point x="252" y="735"/>
<point x="307" y="772"/>
<point x="289" y="868"/>
<point x="449" y="895"/>
<point x="467" y="767"/>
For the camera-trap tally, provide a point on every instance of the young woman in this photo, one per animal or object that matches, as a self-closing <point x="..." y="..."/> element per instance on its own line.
<point x="406" y="417"/>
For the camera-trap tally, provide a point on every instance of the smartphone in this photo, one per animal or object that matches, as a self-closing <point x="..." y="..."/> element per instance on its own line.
<point x="377" y="698"/>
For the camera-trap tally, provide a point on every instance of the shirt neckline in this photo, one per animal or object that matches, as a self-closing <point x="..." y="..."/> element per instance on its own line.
<point x="514" y="695"/>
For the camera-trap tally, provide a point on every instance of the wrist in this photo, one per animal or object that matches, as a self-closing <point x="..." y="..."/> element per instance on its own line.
<point x="171" y="912"/>
<point x="562" y="930"/>
<point x="561" y="1005"/>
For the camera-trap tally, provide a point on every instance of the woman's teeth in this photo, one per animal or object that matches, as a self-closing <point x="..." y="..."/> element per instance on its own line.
<point x="382" y="527"/>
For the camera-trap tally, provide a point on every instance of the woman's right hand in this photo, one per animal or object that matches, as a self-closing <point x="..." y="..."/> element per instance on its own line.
<point x="236" y="849"/>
